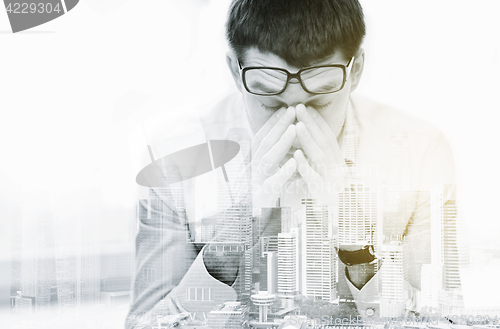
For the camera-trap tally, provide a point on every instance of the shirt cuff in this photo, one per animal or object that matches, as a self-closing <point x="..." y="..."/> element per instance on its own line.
<point x="369" y="303"/>
<point x="367" y="298"/>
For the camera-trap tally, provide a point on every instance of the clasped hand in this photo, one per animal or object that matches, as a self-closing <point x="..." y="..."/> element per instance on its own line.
<point x="318" y="158"/>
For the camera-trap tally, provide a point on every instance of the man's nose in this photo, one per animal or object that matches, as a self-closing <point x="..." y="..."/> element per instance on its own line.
<point x="294" y="94"/>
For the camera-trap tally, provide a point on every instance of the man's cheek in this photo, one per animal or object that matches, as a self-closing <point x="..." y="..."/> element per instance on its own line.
<point x="256" y="114"/>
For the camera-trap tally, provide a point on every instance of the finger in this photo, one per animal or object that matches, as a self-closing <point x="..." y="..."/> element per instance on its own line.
<point x="314" y="152"/>
<point x="266" y="128"/>
<point x="273" y="157"/>
<point x="263" y="143"/>
<point x="329" y="134"/>
<point x="322" y="140"/>
<point x="312" y="178"/>
<point x="274" y="184"/>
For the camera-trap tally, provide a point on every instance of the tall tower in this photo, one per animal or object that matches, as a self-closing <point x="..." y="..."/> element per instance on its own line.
<point x="234" y="226"/>
<point x="445" y="249"/>
<point x="360" y="215"/>
<point x="234" y="204"/>
<point x="359" y="219"/>
<point x="319" y="278"/>
<point x="287" y="267"/>
<point x="394" y="280"/>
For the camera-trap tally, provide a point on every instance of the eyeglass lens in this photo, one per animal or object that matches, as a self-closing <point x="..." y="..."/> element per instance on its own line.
<point x="315" y="80"/>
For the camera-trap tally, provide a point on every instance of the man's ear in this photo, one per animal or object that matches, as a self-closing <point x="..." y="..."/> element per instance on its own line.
<point x="357" y="68"/>
<point x="232" y="63"/>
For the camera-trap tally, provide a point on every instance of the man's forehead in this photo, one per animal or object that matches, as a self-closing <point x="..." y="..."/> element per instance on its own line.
<point x="254" y="57"/>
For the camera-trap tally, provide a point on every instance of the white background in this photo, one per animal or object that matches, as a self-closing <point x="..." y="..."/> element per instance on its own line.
<point x="73" y="90"/>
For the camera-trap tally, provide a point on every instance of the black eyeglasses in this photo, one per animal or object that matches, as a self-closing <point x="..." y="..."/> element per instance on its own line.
<point x="269" y="81"/>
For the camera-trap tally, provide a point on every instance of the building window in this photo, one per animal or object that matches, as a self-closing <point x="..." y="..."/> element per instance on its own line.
<point x="198" y="294"/>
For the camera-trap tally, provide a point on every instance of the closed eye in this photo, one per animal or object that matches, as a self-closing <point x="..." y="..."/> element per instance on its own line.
<point x="276" y="108"/>
<point x="321" y="107"/>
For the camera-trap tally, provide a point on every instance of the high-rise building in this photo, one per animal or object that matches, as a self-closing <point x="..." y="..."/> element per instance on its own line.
<point x="447" y="251"/>
<point x="234" y="204"/>
<point x="360" y="215"/>
<point x="266" y="228"/>
<point x="393" y="280"/>
<point x="272" y="271"/>
<point x="234" y="225"/>
<point x="287" y="268"/>
<point x="445" y="247"/>
<point x="359" y="219"/>
<point x="319" y="278"/>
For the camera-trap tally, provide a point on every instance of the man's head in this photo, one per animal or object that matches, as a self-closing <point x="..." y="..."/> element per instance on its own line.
<point x="295" y="34"/>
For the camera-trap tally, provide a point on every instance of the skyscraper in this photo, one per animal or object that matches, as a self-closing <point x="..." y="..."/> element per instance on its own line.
<point x="319" y="277"/>
<point x="360" y="214"/>
<point x="394" y="279"/>
<point x="447" y="251"/>
<point x="445" y="247"/>
<point x="234" y="203"/>
<point x="287" y="267"/>
<point x="235" y="226"/>
<point x="359" y="218"/>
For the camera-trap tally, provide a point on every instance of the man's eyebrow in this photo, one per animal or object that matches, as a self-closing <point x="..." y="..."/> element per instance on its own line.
<point x="268" y="72"/>
<point x="317" y="71"/>
<point x="261" y="86"/>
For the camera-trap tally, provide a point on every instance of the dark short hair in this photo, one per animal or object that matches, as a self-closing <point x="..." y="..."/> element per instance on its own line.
<point x="299" y="31"/>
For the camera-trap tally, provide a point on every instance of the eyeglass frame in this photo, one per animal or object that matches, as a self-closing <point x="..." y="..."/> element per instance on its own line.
<point x="296" y="75"/>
